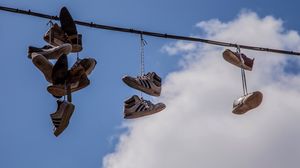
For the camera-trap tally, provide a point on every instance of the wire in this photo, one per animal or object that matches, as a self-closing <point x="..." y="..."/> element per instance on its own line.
<point x="153" y="34"/>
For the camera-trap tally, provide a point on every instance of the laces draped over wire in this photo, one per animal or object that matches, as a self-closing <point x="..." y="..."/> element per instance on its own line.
<point x="142" y="59"/>
<point x="50" y="24"/>
<point x="243" y="74"/>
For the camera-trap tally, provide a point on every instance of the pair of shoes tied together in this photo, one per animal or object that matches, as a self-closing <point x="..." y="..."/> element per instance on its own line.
<point x="136" y="107"/>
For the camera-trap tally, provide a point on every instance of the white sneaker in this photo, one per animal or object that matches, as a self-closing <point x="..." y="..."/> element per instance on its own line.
<point x="135" y="107"/>
<point x="149" y="83"/>
<point x="248" y="102"/>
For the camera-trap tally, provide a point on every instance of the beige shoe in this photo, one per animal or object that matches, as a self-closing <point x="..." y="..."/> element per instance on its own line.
<point x="248" y="102"/>
<point x="234" y="58"/>
<point x="44" y="65"/>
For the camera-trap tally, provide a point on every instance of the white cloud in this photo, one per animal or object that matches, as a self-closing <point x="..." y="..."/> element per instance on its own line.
<point x="198" y="129"/>
<point x="179" y="47"/>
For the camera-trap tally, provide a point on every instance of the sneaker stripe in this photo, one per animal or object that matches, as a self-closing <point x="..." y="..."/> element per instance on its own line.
<point x="140" y="81"/>
<point x="143" y="108"/>
<point x="149" y="86"/>
<point x="139" y="107"/>
<point x="144" y="83"/>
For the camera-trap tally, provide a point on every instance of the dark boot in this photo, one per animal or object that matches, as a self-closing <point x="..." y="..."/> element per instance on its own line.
<point x="69" y="27"/>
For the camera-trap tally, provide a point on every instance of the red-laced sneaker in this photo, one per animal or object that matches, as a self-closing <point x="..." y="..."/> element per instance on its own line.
<point x="234" y="58"/>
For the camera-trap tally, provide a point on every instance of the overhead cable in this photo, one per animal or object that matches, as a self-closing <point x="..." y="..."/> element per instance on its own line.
<point x="148" y="33"/>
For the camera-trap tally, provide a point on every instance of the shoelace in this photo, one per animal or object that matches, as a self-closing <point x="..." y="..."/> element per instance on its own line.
<point x="147" y="76"/>
<point x="146" y="103"/>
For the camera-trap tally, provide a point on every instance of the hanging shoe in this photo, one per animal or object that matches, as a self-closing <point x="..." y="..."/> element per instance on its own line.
<point x="135" y="107"/>
<point x="234" y="58"/>
<point x="248" y="102"/>
<point x="50" y="52"/>
<point x="61" y="90"/>
<point x="149" y="83"/>
<point x="69" y="27"/>
<point x="77" y="77"/>
<point x="56" y="36"/>
<point x="60" y="70"/>
<point x="88" y="64"/>
<point x="44" y="65"/>
<point x="61" y="117"/>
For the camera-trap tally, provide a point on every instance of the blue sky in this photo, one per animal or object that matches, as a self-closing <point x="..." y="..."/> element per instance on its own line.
<point x="26" y="131"/>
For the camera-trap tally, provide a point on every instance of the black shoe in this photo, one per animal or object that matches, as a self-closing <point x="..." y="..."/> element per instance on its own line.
<point x="69" y="27"/>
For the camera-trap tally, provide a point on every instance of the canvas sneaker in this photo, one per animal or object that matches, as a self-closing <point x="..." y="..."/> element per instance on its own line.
<point x="69" y="27"/>
<point x="149" y="83"/>
<point x="61" y="117"/>
<point x="248" y="102"/>
<point x="56" y="36"/>
<point x="135" y="107"/>
<point x="234" y="58"/>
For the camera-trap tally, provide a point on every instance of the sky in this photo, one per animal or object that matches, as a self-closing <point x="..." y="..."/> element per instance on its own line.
<point x="197" y="129"/>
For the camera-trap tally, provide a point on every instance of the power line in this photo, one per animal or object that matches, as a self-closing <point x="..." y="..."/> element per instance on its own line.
<point x="147" y="33"/>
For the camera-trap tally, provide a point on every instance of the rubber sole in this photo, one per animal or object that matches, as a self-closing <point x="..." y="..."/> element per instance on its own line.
<point x="142" y="114"/>
<point x="44" y="66"/>
<point x="250" y="103"/>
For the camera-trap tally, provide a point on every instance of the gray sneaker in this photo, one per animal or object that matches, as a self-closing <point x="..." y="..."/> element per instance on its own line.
<point x="50" y="52"/>
<point x="149" y="83"/>
<point x="248" y="102"/>
<point x="61" y="117"/>
<point x="135" y="107"/>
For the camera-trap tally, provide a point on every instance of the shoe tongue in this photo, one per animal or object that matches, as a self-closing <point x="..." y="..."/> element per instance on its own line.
<point x="47" y="47"/>
<point x="136" y="98"/>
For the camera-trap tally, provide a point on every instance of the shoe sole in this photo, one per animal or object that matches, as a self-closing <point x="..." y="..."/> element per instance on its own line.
<point x="65" y="120"/>
<point x="59" y="91"/>
<point x="44" y="66"/>
<point x="231" y="58"/>
<point x="135" y="85"/>
<point x="91" y="68"/>
<point x="253" y="101"/>
<point x="67" y="22"/>
<point x="142" y="114"/>
<point x="69" y="27"/>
